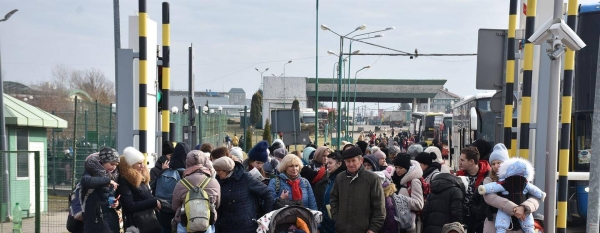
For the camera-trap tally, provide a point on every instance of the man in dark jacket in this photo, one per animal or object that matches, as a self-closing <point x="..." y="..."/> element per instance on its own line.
<point x="445" y="203"/>
<point x="160" y="166"/>
<point x="357" y="199"/>
<point x="474" y="205"/>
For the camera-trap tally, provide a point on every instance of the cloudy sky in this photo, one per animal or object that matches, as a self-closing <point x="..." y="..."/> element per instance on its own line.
<point x="232" y="38"/>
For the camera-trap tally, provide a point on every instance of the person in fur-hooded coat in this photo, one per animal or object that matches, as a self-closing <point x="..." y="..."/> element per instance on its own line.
<point x="514" y="174"/>
<point x="134" y="185"/>
<point x="409" y="171"/>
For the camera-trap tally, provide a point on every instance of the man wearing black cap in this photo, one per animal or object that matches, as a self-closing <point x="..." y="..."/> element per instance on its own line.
<point x="357" y="200"/>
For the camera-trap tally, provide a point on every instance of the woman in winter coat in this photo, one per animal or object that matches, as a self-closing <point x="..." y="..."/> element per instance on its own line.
<point x="243" y="199"/>
<point x="133" y="186"/>
<point x="289" y="188"/>
<point x="101" y="177"/>
<point x="406" y="178"/>
<point x="495" y="202"/>
<point x="445" y="202"/>
<point x="429" y="168"/>
<point x="197" y="168"/>
<point x="335" y="165"/>
<point x="389" y="225"/>
<point x="257" y="157"/>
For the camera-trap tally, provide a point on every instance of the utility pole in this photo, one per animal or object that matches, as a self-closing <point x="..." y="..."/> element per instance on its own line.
<point x="593" y="215"/>
<point x="191" y="106"/>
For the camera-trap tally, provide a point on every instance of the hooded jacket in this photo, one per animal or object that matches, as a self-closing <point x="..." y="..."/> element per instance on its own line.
<point x="308" y="197"/>
<point x="357" y="202"/>
<point x="390" y="225"/>
<point x="431" y="171"/>
<point x="195" y="177"/>
<point x="97" y="217"/>
<point x="322" y="192"/>
<point x="373" y="161"/>
<point x="134" y="191"/>
<point x="444" y="204"/>
<point x="493" y="200"/>
<point x="415" y="199"/>
<point x="240" y="198"/>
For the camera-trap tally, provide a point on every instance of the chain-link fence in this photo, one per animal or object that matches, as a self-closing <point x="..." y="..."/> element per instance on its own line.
<point x="210" y="127"/>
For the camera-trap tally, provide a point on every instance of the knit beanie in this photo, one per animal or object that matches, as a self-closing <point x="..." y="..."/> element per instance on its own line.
<point x="179" y="155"/>
<point x="280" y="153"/>
<point x="379" y="154"/>
<point x="223" y="164"/>
<point x="437" y="152"/>
<point x="426" y="158"/>
<point x="307" y="152"/>
<point x="362" y="145"/>
<point x="237" y="152"/>
<point x="402" y="160"/>
<point x="483" y="147"/>
<point x="414" y="150"/>
<point x="108" y="155"/>
<point x="132" y="156"/>
<point x="499" y="153"/>
<point x="167" y="148"/>
<point x="259" y="152"/>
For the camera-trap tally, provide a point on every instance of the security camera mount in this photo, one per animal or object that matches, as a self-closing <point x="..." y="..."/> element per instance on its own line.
<point x="558" y="34"/>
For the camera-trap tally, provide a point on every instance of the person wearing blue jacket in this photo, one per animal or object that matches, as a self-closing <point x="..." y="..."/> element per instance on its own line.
<point x="289" y="188"/>
<point x="98" y="183"/>
<point x="243" y="199"/>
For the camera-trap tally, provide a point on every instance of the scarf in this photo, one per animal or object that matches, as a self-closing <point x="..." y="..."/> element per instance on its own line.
<point x="296" y="191"/>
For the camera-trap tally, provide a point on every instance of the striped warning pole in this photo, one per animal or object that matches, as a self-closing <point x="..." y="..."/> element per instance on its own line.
<point x="143" y="89"/>
<point x="565" y="120"/>
<point x="525" y="111"/>
<point x="510" y="76"/>
<point x="166" y="70"/>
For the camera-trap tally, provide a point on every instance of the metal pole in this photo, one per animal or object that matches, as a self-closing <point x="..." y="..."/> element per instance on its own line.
<point x="552" y="135"/>
<point x="85" y="126"/>
<point x="244" y="124"/>
<point x="510" y="76"/>
<point x="74" y="143"/>
<point x="4" y="147"/>
<point x="166" y="71"/>
<point x="317" y="78"/>
<point x="97" y="133"/>
<point x="117" y="37"/>
<point x="339" y="94"/>
<point x="110" y="113"/>
<point x="525" y="107"/>
<point x="143" y="85"/>
<point x="593" y="215"/>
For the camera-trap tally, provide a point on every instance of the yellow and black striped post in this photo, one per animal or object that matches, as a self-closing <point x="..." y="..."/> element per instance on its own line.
<point x="510" y="77"/>
<point x="166" y="71"/>
<point x="525" y="111"/>
<point x="143" y="89"/>
<point x="565" y="120"/>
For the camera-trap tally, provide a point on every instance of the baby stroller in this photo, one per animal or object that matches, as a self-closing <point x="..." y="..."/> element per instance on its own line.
<point x="280" y="220"/>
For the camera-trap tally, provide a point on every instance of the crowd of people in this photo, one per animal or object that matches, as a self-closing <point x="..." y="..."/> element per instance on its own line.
<point x="367" y="186"/>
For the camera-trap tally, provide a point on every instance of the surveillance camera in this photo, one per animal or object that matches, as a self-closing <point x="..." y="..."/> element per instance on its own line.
<point x="411" y="57"/>
<point x="559" y="30"/>
<point x="567" y="36"/>
<point x="542" y="34"/>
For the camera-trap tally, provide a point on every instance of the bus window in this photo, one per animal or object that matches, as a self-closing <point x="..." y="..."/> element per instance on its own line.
<point x="583" y="138"/>
<point x="484" y="104"/>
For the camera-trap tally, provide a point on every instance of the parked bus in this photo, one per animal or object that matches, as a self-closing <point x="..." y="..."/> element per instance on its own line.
<point x="423" y="125"/>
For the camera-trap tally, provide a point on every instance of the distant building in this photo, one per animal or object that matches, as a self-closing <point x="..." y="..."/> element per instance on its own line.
<point x="442" y="102"/>
<point x="237" y="96"/>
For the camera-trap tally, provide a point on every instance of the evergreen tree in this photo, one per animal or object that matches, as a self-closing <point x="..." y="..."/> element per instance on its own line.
<point x="296" y="104"/>
<point x="248" y="139"/>
<point x="267" y="132"/>
<point x="256" y="108"/>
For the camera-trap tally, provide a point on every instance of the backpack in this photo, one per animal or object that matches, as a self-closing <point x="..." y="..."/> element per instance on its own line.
<point x="426" y="188"/>
<point x="403" y="214"/>
<point x="165" y="184"/>
<point x="75" y="207"/>
<point x="196" y="206"/>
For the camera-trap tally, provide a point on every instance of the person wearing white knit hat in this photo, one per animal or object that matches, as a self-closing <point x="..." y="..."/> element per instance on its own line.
<point x="438" y="154"/>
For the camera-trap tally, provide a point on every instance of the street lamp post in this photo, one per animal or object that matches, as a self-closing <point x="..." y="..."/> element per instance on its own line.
<point x="283" y="76"/>
<point x="262" y="86"/>
<point x="339" y="123"/>
<point x="354" y="107"/>
<point x="3" y="142"/>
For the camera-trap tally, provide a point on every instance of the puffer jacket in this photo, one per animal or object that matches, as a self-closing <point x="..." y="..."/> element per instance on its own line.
<point x="415" y="199"/>
<point x="134" y="191"/>
<point x="389" y="225"/>
<point x="243" y="200"/>
<point x="308" y="197"/>
<point x="357" y="202"/>
<point x="213" y="189"/>
<point x="97" y="216"/>
<point x="444" y="204"/>
<point x="493" y="200"/>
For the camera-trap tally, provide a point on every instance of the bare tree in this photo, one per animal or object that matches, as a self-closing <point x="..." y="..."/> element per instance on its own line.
<point x="95" y="83"/>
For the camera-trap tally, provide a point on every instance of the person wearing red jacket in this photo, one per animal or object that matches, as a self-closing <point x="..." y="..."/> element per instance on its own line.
<point x="474" y="205"/>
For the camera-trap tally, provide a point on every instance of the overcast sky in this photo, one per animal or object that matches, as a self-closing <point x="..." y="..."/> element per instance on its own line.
<point x="232" y="38"/>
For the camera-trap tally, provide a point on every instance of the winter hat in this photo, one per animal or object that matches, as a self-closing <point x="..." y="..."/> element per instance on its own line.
<point x="438" y="154"/>
<point x="281" y="144"/>
<point x="379" y="155"/>
<point x="414" y="150"/>
<point x="167" y="148"/>
<point x="373" y="161"/>
<point x="351" y="153"/>
<point x="394" y="150"/>
<point x="237" y="152"/>
<point x="402" y="160"/>
<point x="132" y="156"/>
<point x="516" y="167"/>
<point x="179" y="155"/>
<point x="307" y="152"/>
<point x="280" y="153"/>
<point x="108" y="155"/>
<point x="483" y="147"/>
<point x="362" y="145"/>
<point x="454" y="226"/>
<point x="223" y="164"/>
<point x="499" y="153"/>
<point x="259" y="152"/>
<point x="374" y="149"/>
<point x="426" y="158"/>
